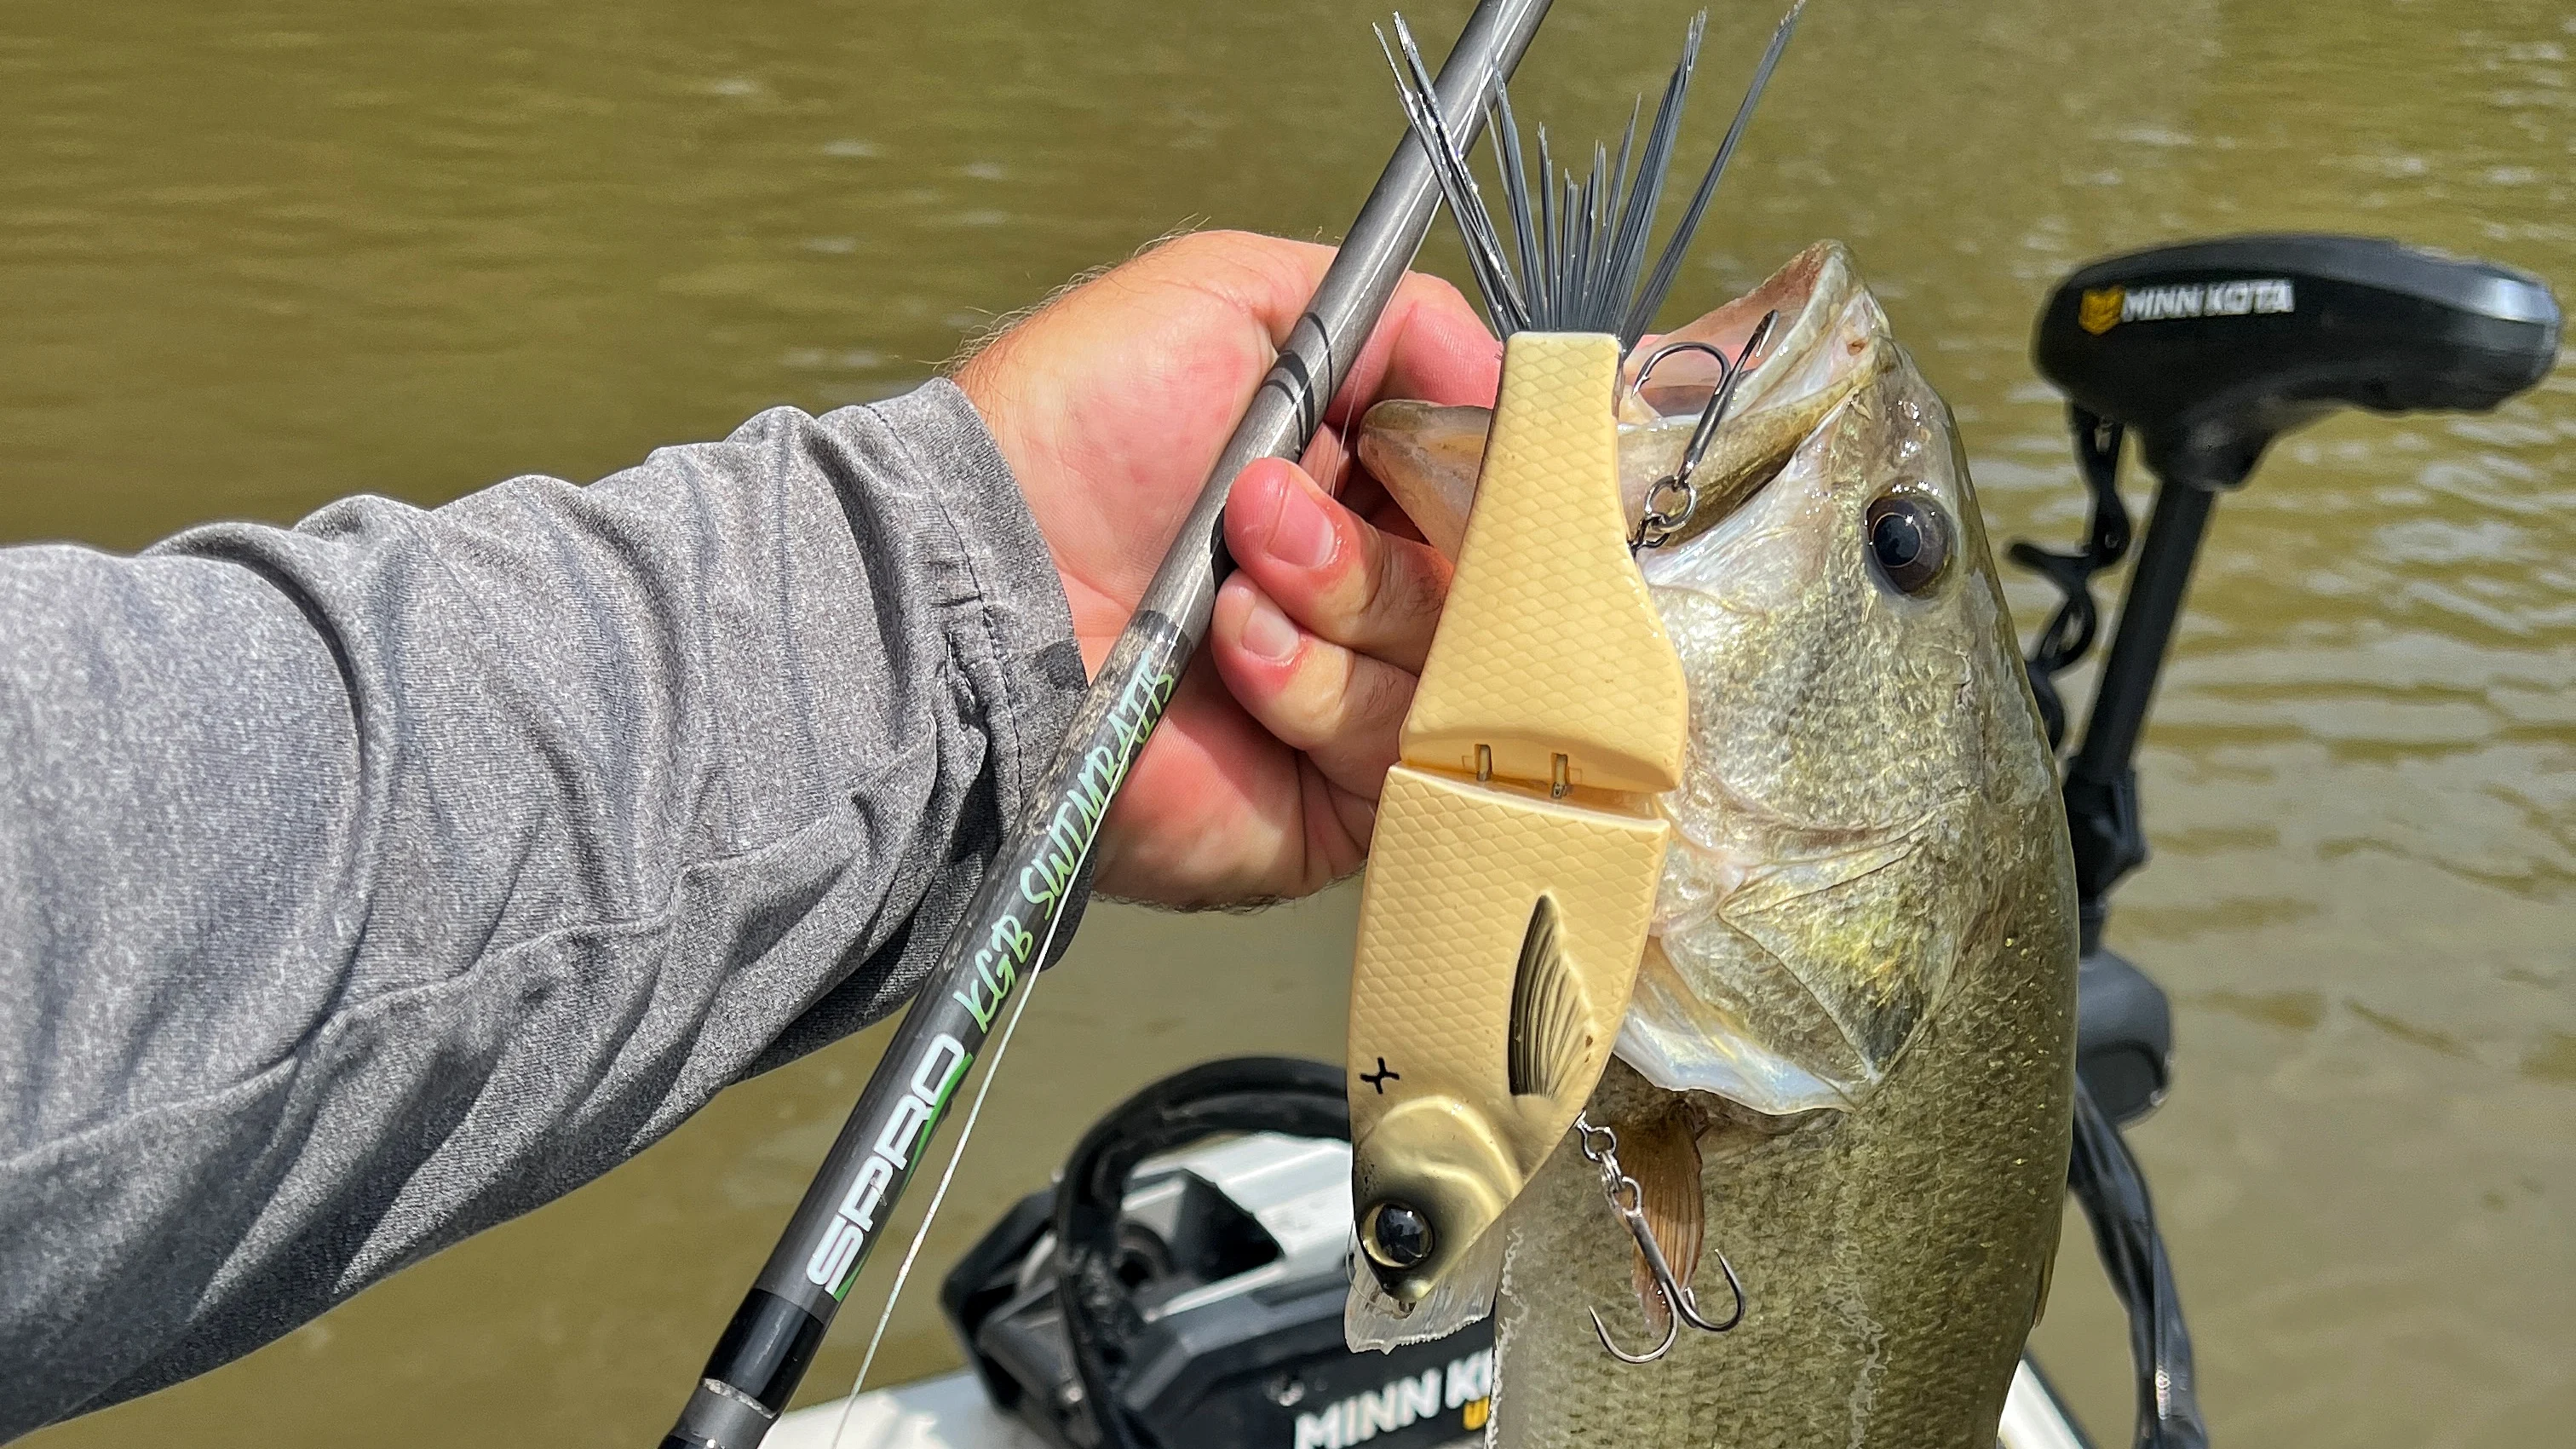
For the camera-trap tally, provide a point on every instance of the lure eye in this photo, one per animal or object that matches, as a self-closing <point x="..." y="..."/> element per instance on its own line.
<point x="1909" y="540"/>
<point x="1396" y="1236"/>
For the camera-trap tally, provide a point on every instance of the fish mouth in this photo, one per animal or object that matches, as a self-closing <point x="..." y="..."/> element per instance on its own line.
<point x="1828" y="339"/>
<point x="1683" y="383"/>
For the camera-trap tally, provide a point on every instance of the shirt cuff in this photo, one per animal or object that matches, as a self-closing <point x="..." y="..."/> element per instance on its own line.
<point x="1018" y="648"/>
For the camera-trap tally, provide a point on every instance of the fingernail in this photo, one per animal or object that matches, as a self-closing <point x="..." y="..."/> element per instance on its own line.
<point x="1300" y="534"/>
<point x="1267" y="632"/>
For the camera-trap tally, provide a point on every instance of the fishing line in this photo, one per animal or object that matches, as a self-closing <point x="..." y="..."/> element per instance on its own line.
<point x="948" y="1174"/>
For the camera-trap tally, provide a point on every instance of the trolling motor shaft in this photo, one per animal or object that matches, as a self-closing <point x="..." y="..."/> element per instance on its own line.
<point x="1010" y="927"/>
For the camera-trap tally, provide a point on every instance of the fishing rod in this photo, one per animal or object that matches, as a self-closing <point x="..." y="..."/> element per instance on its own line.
<point x="1006" y="931"/>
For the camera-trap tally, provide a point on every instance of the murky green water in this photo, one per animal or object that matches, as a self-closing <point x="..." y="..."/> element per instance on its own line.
<point x="253" y="257"/>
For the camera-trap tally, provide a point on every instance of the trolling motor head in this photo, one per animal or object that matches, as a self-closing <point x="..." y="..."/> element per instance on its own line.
<point x="2211" y="349"/>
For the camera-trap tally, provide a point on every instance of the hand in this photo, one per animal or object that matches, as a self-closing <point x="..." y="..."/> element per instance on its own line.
<point x="1111" y="404"/>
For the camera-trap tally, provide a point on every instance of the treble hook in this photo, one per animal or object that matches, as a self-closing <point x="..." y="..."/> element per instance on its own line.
<point x="1660" y="524"/>
<point x="1629" y="1201"/>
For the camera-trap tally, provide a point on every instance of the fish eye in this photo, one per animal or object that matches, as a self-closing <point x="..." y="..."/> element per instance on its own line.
<point x="1909" y="540"/>
<point x="1395" y="1235"/>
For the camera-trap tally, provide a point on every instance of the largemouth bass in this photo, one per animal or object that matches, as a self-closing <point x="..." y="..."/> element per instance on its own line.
<point x="1848" y="1060"/>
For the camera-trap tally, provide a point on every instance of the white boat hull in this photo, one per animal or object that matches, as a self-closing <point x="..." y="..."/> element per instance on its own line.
<point x="951" y="1412"/>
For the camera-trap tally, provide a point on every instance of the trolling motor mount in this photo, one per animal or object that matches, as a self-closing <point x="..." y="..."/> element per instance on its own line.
<point x="2208" y="351"/>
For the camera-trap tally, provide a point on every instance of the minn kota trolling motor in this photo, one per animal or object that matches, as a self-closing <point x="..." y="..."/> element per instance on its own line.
<point x="1171" y="1292"/>
<point x="2208" y="351"/>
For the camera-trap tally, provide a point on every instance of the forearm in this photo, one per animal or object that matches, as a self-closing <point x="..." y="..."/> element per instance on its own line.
<point x="373" y="882"/>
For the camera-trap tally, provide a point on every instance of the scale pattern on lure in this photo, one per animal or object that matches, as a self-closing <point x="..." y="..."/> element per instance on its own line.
<point x="1514" y="866"/>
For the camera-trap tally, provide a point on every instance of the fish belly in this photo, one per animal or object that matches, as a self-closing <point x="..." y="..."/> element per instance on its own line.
<point x="1892" y="1256"/>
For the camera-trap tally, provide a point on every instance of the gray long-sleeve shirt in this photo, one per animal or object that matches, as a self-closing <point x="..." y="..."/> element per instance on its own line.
<point x="366" y="884"/>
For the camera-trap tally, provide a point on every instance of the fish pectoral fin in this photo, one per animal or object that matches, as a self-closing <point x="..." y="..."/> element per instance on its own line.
<point x="1870" y="933"/>
<point x="1551" y="1034"/>
<point x="1797" y="989"/>
<point x="1662" y="1154"/>
<point x="1682" y="1041"/>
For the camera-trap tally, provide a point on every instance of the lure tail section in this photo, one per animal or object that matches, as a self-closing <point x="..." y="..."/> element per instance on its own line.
<point x="1517" y="851"/>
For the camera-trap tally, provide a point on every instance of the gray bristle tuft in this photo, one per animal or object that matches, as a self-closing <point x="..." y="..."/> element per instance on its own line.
<point x="1577" y="245"/>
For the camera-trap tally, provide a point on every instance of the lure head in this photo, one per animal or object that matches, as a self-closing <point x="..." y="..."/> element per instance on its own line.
<point x="1435" y="1176"/>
